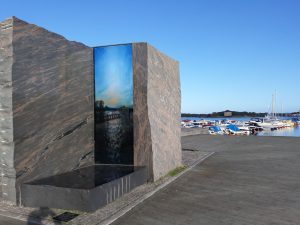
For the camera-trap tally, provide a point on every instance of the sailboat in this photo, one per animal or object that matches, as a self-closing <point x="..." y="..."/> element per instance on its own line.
<point x="270" y="122"/>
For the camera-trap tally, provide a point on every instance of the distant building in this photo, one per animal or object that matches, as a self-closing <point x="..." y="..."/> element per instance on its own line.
<point x="227" y="113"/>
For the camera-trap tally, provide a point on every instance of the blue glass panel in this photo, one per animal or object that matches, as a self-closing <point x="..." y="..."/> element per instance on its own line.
<point x="113" y="104"/>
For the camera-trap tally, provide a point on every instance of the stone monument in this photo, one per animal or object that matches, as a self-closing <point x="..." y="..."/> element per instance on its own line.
<point x="48" y="108"/>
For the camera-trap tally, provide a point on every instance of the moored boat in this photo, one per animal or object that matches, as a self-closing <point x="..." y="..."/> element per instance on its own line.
<point x="296" y="121"/>
<point x="215" y="130"/>
<point x="235" y="130"/>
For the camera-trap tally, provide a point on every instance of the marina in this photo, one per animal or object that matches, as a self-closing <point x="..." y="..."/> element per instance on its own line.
<point x="260" y="126"/>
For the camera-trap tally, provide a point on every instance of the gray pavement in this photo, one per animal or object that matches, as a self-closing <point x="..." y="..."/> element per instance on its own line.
<point x="193" y="131"/>
<point x="249" y="180"/>
<point x="10" y="221"/>
<point x="4" y="220"/>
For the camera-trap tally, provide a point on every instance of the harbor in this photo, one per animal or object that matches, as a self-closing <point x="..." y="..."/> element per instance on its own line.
<point x="260" y="126"/>
<point x="271" y="123"/>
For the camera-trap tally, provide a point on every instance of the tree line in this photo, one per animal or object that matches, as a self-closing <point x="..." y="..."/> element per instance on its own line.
<point x="221" y="114"/>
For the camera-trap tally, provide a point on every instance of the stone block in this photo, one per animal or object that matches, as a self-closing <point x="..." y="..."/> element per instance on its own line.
<point x="7" y="171"/>
<point x="85" y="189"/>
<point x="157" y="111"/>
<point x="46" y="105"/>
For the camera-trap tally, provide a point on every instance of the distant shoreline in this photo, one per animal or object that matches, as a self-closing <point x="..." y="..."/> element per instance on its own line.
<point x="219" y="116"/>
<point x="234" y="114"/>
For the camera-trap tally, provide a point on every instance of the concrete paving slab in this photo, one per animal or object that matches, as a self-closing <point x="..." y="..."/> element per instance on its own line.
<point x="9" y="221"/>
<point x="250" y="180"/>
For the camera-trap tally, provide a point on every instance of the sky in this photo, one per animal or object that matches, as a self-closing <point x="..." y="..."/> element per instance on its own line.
<point x="233" y="54"/>
<point x="114" y="75"/>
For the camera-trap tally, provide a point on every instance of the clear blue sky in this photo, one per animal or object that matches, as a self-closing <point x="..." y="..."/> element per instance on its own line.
<point x="233" y="53"/>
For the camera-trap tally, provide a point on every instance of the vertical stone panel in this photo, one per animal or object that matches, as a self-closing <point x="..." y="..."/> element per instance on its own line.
<point x="7" y="171"/>
<point x="141" y="124"/>
<point x="53" y="107"/>
<point x="157" y="110"/>
<point x="164" y="109"/>
<point x="46" y="105"/>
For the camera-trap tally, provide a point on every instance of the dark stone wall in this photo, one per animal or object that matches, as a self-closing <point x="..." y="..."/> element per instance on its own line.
<point x="52" y="103"/>
<point x="157" y="107"/>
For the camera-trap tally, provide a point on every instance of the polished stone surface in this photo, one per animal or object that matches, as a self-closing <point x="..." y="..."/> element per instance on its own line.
<point x="157" y="104"/>
<point x="87" y="177"/>
<point x="85" y="189"/>
<point x="113" y="104"/>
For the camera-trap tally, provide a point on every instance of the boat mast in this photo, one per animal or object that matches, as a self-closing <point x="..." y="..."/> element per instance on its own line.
<point x="275" y="105"/>
<point x="272" y="114"/>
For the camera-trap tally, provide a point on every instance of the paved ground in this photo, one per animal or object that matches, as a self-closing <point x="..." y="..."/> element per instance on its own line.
<point x="13" y="215"/>
<point x="193" y="131"/>
<point x="9" y="221"/>
<point x="249" y="180"/>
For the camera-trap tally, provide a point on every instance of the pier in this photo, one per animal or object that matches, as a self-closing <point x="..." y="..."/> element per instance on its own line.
<point x="111" y="117"/>
<point x="107" y="117"/>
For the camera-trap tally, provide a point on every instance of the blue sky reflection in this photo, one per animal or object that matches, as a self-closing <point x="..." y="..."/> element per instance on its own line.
<point x="114" y="75"/>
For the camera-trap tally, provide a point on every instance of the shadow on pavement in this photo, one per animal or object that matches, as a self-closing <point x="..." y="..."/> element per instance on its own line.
<point x="37" y="217"/>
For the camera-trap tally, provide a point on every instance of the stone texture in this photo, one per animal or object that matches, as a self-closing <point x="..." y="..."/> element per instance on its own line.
<point x="51" y="101"/>
<point x="141" y="123"/>
<point x="7" y="171"/>
<point x="157" y="106"/>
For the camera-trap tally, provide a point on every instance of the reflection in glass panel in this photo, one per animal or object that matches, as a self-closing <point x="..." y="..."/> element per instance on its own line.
<point x="113" y="104"/>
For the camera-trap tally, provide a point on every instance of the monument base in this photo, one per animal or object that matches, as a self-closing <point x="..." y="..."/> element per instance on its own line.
<point x="84" y="189"/>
